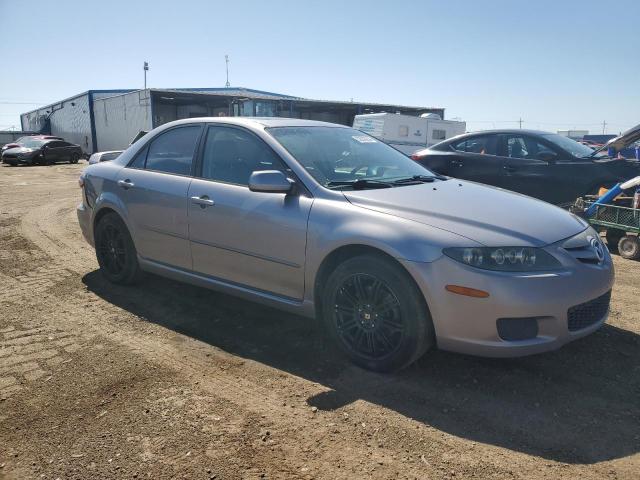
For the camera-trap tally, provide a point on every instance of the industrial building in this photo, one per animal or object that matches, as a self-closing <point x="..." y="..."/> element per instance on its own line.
<point x="99" y="120"/>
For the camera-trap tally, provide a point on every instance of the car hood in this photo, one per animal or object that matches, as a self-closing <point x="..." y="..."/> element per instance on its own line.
<point x="627" y="138"/>
<point x="16" y="150"/>
<point x="487" y="215"/>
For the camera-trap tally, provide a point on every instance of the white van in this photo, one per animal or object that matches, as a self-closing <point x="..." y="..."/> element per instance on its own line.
<point x="407" y="133"/>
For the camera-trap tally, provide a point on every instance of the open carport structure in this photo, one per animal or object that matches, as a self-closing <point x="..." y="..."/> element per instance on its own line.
<point x="109" y="121"/>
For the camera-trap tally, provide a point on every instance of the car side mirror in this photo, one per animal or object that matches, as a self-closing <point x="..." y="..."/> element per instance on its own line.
<point x="547" y="156"/>
<point x="270" y="181"/>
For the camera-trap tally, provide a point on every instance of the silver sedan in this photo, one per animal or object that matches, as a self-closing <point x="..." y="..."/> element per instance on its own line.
<point x="328" y="222"/>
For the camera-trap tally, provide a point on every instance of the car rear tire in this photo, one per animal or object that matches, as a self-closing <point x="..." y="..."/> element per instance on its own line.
<point x="376" y="314"/>
<point x="74" y="158"/>
<point x="115" y="251"/>
<point x="629" y="247"/>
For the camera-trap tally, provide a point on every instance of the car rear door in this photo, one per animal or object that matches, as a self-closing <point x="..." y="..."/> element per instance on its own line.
<point x="154" y="188"/>
<point x="253" y="239"/>
<point x="475" y="159"/>
<point x="66" y="151"/>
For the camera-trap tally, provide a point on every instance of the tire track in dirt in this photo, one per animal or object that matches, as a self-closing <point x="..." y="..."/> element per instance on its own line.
<point x="218" y="373"/>
<point x="354" y="440"/>
<point x="27" y="355"/>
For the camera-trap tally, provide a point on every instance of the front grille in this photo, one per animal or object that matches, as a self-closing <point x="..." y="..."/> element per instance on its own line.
<point x="586" y="314"/>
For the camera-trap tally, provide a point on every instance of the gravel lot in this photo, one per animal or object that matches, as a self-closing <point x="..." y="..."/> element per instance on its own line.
<point x="165" y="380"/>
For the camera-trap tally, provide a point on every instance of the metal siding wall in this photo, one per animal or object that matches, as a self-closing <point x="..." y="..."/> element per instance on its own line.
<point x="118" y="119"/>
<point x="68" y="121"/>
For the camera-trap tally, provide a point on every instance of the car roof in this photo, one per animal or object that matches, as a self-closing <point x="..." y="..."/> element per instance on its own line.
<point x="510" y="131"/>
<point x="262" y="121"/>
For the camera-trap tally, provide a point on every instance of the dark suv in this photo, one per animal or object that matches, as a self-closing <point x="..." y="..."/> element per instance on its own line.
<point x="544" y="165"/>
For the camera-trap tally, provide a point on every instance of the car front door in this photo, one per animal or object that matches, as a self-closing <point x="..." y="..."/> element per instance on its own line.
<point x="253" y="239"/>
<point x="154" y="188"/>
<point x="474" y="158"/>
<point x="537" y="168"/>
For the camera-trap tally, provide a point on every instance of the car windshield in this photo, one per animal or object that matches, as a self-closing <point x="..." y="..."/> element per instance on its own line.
<point x="574" y="148"/>
<point x="32" y="143"/>
<point x="339" y="157"/>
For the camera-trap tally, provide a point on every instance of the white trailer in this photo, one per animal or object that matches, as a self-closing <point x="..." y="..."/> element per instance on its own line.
<point x="407" y="133"/>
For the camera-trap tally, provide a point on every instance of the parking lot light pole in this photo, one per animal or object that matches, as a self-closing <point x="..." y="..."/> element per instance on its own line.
<point x="146" y="69"/>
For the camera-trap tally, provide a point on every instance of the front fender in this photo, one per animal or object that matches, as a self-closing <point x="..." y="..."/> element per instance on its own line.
<point x="335" y="224"/>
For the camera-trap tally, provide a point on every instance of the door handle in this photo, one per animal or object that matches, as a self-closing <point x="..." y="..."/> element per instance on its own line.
<point x="509" y="168"/>
<point x="126" y="184"/>
<point x="204" y="201"/>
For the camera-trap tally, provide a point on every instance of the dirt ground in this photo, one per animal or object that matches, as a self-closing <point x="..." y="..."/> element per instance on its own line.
<point x="165" y="380"/>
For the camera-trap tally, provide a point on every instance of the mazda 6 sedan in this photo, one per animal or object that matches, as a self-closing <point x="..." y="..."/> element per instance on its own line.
<point x="328" y="222"/>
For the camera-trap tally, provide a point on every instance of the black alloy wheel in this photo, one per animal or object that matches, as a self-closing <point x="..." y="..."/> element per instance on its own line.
<point x="376" y="314"/>
<point x="368" y="316"/>
<point x="111" y="250"/>
<point x="115" y="251"/>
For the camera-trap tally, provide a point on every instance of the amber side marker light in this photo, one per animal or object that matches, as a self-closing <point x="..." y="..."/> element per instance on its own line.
<point x="466" y="291"/>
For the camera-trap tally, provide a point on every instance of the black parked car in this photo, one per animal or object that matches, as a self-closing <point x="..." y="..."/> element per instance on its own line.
<point x="540" y="164"/>
<point x="42" y="151"/>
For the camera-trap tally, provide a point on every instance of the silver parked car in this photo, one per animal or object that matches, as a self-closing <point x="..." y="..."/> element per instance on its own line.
<point x="326" y="221"/>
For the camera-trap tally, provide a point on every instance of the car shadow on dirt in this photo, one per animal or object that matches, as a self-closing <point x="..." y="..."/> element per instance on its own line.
<point x="576" y="405"/>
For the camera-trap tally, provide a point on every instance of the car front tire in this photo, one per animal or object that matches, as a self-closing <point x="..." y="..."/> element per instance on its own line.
<point x="115" y="251"/>
<point x="376" y="314"/>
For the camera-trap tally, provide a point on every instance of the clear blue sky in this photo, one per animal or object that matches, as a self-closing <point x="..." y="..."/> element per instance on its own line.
<point x="557" y="64"/>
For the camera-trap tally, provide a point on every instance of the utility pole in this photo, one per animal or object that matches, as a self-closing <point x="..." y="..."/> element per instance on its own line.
<point x="604" y="125"/>
<point x="146" y="69"/>
<point x="520" y="122"/>
<point x="226" y="60"/>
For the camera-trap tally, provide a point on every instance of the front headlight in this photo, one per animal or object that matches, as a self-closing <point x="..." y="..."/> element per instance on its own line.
<point x="504" y="259"/>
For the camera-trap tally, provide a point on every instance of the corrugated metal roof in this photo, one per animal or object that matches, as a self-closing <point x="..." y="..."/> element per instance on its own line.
<point x="116" y="91"/>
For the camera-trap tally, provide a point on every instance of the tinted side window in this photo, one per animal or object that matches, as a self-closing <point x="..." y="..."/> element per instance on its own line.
<point x="231" y="155"/>
<point x="485" y="144"/>
<point x="172" y="152"/>
<point x="140" y="158"/>
<point x="54" y="144"/>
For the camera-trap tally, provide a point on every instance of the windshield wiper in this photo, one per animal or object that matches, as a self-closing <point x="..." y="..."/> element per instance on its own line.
<point x="420" y="179"/>
<point x="360" y="184"/>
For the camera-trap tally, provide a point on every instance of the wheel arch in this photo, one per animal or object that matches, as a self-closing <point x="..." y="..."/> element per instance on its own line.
<point x="345" y="252"/>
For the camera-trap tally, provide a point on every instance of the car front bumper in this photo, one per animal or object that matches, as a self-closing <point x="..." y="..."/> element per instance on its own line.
<point x="469" y="325"/>
<point x="16" y="160"/>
